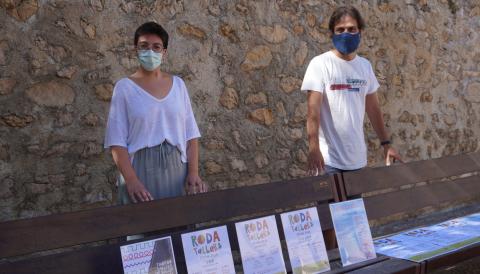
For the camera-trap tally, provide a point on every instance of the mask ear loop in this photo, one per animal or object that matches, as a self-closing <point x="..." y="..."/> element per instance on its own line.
<point x="164" y="59"/>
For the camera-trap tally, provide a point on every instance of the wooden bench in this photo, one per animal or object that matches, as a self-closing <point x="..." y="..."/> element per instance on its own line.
<point x="408" y="192"/>
<point x="36" y="245"/>
<point x="23" y="237"/>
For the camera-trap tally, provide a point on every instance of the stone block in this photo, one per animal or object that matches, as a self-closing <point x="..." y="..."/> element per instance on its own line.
<point x="259" y="57"/>
<point x="51" y="94"/>
<point x="262" y="116"/>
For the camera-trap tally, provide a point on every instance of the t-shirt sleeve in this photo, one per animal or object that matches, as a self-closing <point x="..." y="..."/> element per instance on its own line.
<point x="116" y="133"/>
<point x="372" y="80"/>
<point x="314" y="78"/>
<point x="191" y="127"/>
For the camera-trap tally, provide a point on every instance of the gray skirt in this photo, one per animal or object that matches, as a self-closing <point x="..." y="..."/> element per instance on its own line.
<point x="161" y="171"/>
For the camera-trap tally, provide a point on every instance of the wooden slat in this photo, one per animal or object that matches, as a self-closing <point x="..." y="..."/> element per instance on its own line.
<point x="392" y="265"/>
<point x="475" y="157"/>
<point x="455" y="165"/>
<point x="371" y="179"/>
<point x="453" y="258"/>
<point x="347" y="269"/>
<point x="325" y="217"/>
<point x="339" y="191"/>
<point x="413" y="199"/>
<point x="93" y="260"/>
<point x="96" y="260"/>
<point x="61" y="230"/>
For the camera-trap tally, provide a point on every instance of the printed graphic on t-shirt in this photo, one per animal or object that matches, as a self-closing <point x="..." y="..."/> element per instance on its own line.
<point x="352" y="85"/>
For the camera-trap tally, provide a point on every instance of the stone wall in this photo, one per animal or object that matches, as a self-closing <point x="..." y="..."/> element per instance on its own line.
<point x="243" y="62"/>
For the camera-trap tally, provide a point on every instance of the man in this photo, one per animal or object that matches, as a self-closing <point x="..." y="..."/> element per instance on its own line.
<point x="341" y="87"/>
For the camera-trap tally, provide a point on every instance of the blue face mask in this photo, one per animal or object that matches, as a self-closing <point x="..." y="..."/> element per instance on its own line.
<point x="346" y="43"/>
<point x="149" y="59"/>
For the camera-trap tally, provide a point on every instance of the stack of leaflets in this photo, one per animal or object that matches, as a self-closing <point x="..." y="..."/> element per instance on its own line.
<point x="427" y="242"/>
<point x="306" y="247"/>
<point x="354" y="238"/>
<point x="208" y="251"/>
<point x="260" y="246"/>
<point x="150" y="257"/>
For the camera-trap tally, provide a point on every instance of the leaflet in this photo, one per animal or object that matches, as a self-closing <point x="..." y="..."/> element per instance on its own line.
<point x="260" y="246"/>
<point x="306" y="247"/>
<point x="208" y="251"/>
<point x="426" y="242"/>
<point x="353" y="232"/>
<point x="150" y="257"/>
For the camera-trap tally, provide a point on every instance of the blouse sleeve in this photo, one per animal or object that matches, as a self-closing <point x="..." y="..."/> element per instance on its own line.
<point x="191" y="128"/>
<point x="117" y="125"/>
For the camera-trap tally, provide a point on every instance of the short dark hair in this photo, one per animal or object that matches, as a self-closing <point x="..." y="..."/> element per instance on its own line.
<point x="338" y="14"/>
<point x="152" y="28"/>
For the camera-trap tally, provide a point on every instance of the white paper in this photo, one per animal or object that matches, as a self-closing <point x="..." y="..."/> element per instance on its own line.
<point x="208" y="251"/>
<point x="353" y="232"/>
<point x="426" y="242"/>
<point x="150" y="257"/>
<point x="306" y="247"/>
<point x="260" y="246"/>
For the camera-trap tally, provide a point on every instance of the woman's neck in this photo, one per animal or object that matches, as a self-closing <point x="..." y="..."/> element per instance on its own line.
<point x="145" y="74"/>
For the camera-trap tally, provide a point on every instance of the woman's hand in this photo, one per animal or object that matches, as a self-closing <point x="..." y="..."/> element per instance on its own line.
<point x="137" y="191"/>
<point x="195" y="185"/>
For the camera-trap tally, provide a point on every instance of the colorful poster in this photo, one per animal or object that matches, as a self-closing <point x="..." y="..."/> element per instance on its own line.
<point x="426" y="242"/>
<point x="260" y="246"/>
<point x="353" y="232"/>
<point x="150" y="257"/>
<point x="208" y="251"/>
<point x="306" y="247"/>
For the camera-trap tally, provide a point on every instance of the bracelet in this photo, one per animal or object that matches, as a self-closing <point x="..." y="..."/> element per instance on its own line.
<point x="386" y="142"/>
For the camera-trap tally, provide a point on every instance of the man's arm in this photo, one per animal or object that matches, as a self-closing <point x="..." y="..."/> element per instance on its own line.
<point x="315" y="158"/>
<point x="372" y="107"/>
<point x="136" y="189"/>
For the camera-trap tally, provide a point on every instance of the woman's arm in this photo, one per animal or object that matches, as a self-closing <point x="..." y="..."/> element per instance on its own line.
<point x="194" y="183"/>
<point x="136" y="189"/>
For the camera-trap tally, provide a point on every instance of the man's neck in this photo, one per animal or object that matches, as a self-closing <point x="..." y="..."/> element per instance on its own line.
<point x="346" y="57"/>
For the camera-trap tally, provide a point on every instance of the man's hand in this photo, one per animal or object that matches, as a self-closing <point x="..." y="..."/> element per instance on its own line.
<point x="137" y="191"/>
<point x="315" y="162"/>
<point x="195" y="185"/>
<point x="391" y="155"/>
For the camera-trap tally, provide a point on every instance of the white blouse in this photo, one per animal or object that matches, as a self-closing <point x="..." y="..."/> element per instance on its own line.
<point x="137" y="119"/>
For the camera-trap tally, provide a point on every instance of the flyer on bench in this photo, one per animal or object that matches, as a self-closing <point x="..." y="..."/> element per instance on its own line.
<point x="208" y="251"/>
<point x="354" y="238"/>
<point x="260" y="246"/>
<point x="306" y="247"/>
<point x="427" y="242"/>
<point x="153" y="256"/>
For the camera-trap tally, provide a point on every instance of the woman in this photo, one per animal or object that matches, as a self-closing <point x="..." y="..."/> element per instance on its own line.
<point x="151" y="128"/>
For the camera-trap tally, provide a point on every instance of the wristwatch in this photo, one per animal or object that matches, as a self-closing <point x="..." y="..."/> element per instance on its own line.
<point x="386" y="142"/>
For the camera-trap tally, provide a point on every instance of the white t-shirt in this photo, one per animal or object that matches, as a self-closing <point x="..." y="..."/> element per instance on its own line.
<point x="344" y="85"/>
<point x="137" y="119"/>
